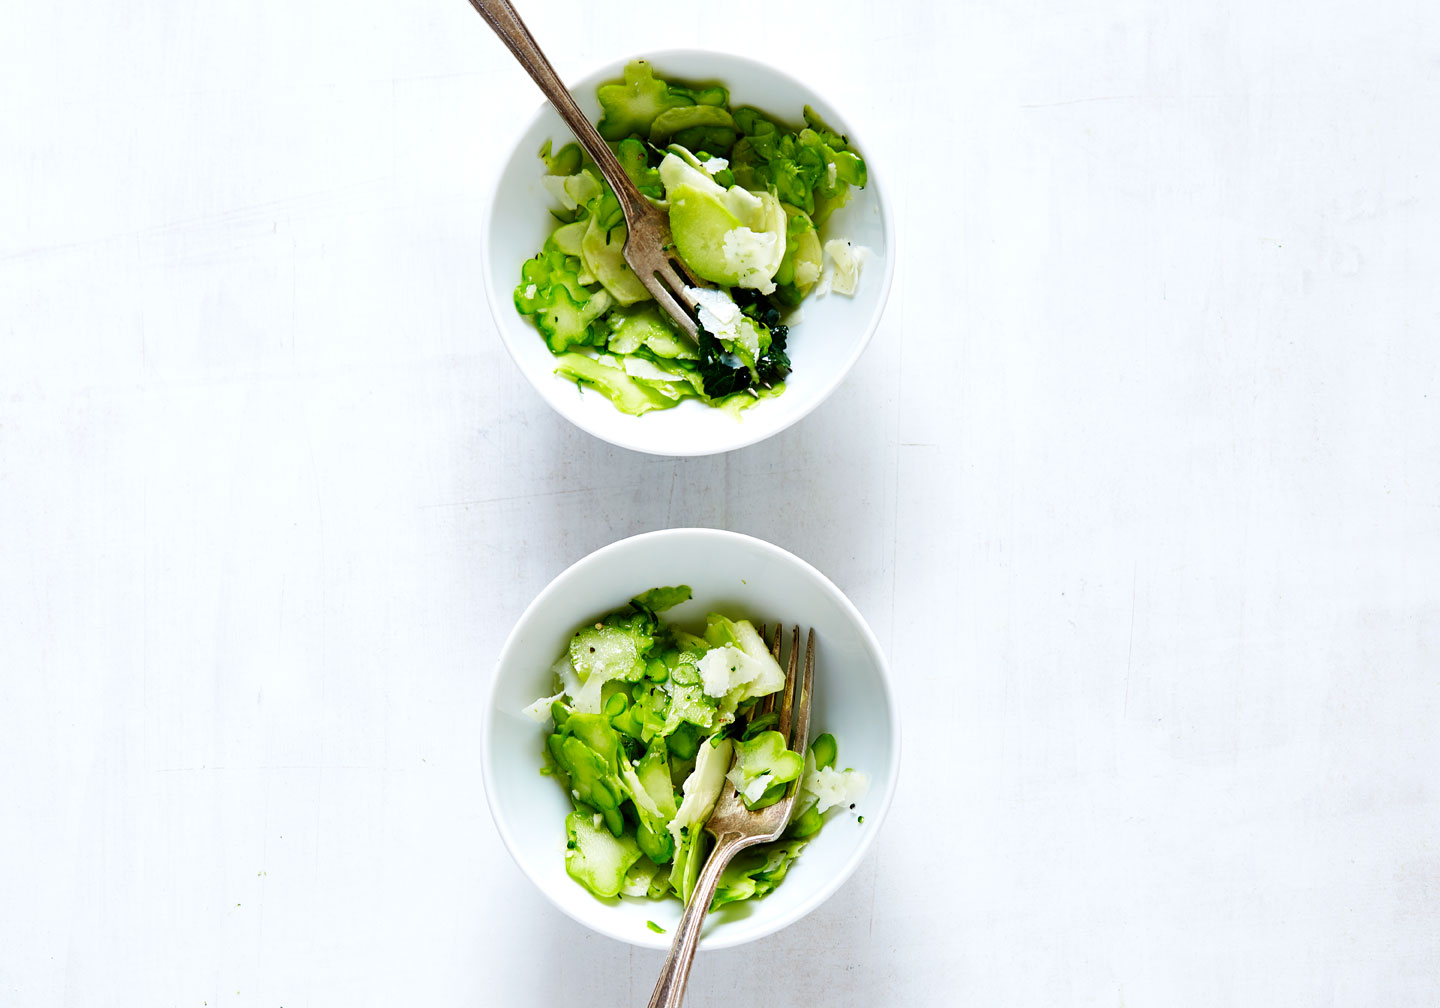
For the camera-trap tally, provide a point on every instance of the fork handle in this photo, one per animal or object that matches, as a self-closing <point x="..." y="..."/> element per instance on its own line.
<point x="670" y="988"/>
<point x="506" y="23"/>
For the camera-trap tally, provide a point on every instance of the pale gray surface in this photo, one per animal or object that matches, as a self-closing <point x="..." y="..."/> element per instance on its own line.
<point x="1139" y="483"/>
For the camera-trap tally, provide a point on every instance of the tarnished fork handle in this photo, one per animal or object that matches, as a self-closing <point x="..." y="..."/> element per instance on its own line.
<point x="729" y="840"/>
<point x="648" y="245"/>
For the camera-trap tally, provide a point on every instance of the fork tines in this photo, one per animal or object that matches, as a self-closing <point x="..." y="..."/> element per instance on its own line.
<point x="649" y="251"/>
<point x="667" y="287"/>
<point x="797" y="735"/>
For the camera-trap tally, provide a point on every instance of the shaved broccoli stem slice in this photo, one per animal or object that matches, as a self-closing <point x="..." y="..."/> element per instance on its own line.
<point x="657" y="600"/>
<point x="631" y="106"/>
<point x="595" y="858"/>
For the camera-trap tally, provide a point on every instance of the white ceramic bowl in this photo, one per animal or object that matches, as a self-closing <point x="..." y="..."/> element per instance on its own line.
<point x="823" y="345"/>
<point x="729" y="573"/>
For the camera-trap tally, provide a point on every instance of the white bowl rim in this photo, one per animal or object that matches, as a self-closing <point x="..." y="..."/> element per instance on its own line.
<point x="880" y="809"/>
<point x="658" y="58"/>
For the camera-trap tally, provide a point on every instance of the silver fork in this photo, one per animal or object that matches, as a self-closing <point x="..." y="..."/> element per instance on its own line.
<point x="649" y="248"/>
<point x="735" y="827"/>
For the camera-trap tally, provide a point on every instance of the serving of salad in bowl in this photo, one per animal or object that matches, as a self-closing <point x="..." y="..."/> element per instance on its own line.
<point x="626" y="697"/>
<point x="773" y="205"/>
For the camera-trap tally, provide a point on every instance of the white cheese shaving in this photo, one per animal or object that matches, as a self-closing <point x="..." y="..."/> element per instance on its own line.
<point x="539" y="711"/>
<point x="755" y="789"/>
<point x="718" y="312"/>
<point x="566" y="675"/>
<point x="726" y="669"/>
<point x="843" y="262"/>
<point x="584" y="697"/>
<point x="702" y="787"/>
<point x="833" y="787"/>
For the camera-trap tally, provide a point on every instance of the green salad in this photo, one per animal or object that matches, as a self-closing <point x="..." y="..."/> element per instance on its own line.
<point x="746" y="197"/>
<point x="649" y="722"/>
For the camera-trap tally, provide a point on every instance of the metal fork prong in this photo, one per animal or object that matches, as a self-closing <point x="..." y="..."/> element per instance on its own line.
<point x="767" y="703"/>
<point x="675" y="273"/>
<point x="802" y="714"/>
<point x="787" y="705"/>
<point x="737" y="827"/>
<point x="678" y="310"/>
<point x="678" y="282"/>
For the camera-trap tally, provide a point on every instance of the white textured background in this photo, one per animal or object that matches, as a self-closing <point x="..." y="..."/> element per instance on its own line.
<point x="1139" y="483"/>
